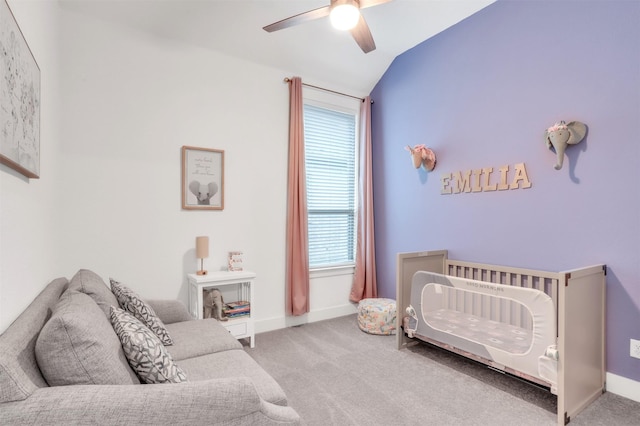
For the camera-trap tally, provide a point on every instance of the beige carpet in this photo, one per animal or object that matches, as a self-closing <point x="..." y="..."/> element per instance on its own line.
<point x="334" y="374"/>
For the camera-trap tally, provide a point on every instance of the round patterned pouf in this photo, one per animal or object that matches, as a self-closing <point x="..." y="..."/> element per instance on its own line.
<point x="377" y="316"/>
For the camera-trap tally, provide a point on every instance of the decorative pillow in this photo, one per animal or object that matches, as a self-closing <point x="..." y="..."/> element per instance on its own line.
<point x="131" y="302"/>
<point x="77" y="346"/>
<point x="90" y="283"/>
<point x="144" y="351"/>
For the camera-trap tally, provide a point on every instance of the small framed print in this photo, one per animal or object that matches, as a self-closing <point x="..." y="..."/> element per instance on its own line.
<point x="235" y="261"/>
<point x="202" y="178"/>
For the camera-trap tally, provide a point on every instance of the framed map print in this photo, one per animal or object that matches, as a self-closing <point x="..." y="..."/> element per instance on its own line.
<point x="19" y="99"/>
<point x="202" y="178"/>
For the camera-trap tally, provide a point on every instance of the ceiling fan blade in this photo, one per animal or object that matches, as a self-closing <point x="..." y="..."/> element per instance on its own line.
<point x="363" y="36"/>
<point x="369" y="3"/>
<point x="320" y="12"/>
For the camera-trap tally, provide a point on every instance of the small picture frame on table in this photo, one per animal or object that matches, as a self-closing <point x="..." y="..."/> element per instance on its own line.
<point x="235" y="261"/>
<point x="202" y="178"/>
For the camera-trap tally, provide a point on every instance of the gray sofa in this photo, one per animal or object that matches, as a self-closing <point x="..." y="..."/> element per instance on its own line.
<point x="224" y="384"/>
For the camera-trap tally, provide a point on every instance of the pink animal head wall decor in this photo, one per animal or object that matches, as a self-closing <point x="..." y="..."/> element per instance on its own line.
<point x="422" y="156"/>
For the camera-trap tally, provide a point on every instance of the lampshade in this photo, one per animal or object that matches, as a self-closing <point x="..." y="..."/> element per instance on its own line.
<point x="344" y="14"/>
<point x="202" y="247"/>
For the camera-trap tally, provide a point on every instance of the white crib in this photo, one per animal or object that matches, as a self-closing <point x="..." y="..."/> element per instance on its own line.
<point x="546" y="327"/>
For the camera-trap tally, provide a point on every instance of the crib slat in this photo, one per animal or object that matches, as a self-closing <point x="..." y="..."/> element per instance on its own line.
<point x="488" y="307"/>
<point x="517" y="307"/>
<point x="495" y="309"/>
<point x="506" y="308"/>
<point x="469" y="302"/>
<point x="477" y="305"/>
<point x="554" y="297"/>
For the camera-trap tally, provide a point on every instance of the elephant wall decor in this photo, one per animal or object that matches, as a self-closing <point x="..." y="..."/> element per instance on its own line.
<point x="203" y="192"/>
<point x="562" y="134"/>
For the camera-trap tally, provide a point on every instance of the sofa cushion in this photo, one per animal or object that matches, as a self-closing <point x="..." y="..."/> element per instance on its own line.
<point x="90" y="283"/>
<point x="78" y="346"/>
<point x="144" y="350"/>
<point x="169" y="310"/>
<point x="132" y="303"/>
<point x="200" y="337"/>
<point x="20" y="375"/>
<point x="227" y="364"/>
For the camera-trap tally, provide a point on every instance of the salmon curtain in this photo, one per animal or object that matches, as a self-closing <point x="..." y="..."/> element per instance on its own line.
<point x="297" y="263"/>
<point x="364" y="282"/>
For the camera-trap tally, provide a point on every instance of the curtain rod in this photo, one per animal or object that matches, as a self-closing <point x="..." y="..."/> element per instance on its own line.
<point x="287" y="80"/>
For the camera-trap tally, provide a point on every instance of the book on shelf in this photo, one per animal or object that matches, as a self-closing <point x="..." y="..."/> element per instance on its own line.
<point x="239" y="315"/>
<point x="237" y="309"/>
<point x="238" y="312"/>
<point x="237" y="304"/>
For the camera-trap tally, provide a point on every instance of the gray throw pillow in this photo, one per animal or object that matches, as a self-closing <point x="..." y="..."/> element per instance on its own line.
<point x="132" y="303"/>
<point x="90" y="283"/>
<point x="146" y="354"/>
<point x="77" y="346"/>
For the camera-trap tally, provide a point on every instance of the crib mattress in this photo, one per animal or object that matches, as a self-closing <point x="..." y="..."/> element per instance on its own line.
<point x="506" y="337"/>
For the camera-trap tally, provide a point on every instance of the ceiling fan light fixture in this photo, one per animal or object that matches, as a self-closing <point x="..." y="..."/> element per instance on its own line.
<point x="344" y="14"/>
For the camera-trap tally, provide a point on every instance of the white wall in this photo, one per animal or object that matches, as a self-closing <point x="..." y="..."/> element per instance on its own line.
<point x="28" y="207"/>
<point x="126" y="102"/>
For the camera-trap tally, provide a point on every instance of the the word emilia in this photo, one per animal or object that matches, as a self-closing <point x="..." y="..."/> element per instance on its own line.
<point x="483" y="180"/>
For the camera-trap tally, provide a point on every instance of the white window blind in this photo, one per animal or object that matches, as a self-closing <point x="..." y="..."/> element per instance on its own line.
<point x="330" y="161"/>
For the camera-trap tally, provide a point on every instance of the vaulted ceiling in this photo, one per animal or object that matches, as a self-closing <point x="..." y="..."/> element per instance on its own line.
<point x="313" y="50"/>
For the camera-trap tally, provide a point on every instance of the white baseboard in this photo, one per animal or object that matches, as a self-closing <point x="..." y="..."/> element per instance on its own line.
<point x="624" y="387"/>
<point x="313" y="316"/>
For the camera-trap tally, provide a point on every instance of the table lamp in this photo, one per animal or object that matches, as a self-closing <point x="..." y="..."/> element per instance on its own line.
<point x="202" y="252"/>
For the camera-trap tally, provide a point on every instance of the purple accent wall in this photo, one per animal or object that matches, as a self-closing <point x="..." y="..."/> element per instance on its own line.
<point x="481" y="94"/>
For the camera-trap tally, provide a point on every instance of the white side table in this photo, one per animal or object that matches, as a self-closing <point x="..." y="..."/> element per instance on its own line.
<point x="234" y="286"/>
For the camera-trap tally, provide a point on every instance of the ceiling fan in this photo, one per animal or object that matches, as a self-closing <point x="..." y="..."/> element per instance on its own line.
<point x="344" y="15"/>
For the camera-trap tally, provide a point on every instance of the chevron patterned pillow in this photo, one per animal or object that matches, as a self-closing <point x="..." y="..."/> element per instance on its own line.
<point x="132" y="303"/>
<point x="144" y="351"/>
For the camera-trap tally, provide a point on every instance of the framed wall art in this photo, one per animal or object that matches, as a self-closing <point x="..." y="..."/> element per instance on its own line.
<point x="202" y="178"/>
<point x="19" y="99"/>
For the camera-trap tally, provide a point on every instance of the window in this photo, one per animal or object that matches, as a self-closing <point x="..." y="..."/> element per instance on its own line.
<point x="330" y="162"/>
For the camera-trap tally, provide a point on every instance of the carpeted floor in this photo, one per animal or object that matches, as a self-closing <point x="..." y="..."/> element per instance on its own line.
<point x="334" y="374"/>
